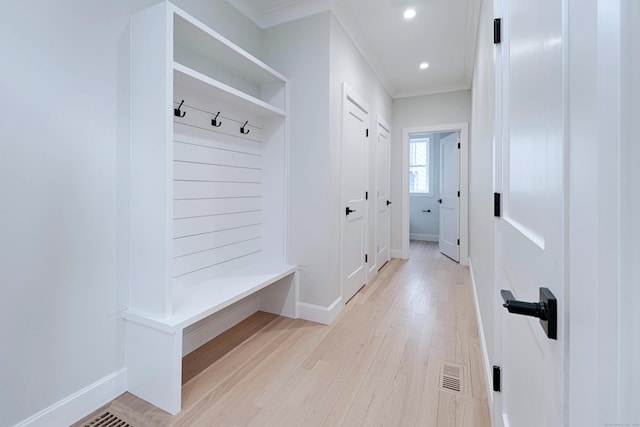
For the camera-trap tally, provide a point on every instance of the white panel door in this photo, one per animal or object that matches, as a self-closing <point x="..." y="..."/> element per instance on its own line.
<point x="449" y="196"/>
<point x="383" y="200"/>
<point x="354" y="128"/>
<point x="530" y="234"/>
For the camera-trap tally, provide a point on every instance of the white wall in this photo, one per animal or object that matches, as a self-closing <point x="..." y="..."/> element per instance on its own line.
<point x="426" y="225"/>
<point x="481" y="219"/>
<point x="317" y="56"/>
<point x="349" y="66"/>
<point x="428" y="110"/>
<point x="300" y="50"/>
<point x="64" y="224"/>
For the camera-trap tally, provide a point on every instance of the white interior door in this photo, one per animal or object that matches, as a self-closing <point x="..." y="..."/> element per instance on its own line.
<point x="450" y="196"/>
<point x="383" y="199"/>
<point x="530" y="234"/>
<point x="354" y="129"/>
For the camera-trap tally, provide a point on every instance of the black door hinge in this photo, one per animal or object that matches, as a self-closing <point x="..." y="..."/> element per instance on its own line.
<point x="496" y="205"/>
<point x="496" y="31"/>
<point x="366" y="195"/>
<point x="367" y="133"/>
<point x="366" y="258"/>
<point x="496" y="378"/>
<point x="458" y="242"/>
<point x="458" y="145"/>
<point x="458" y="194"/>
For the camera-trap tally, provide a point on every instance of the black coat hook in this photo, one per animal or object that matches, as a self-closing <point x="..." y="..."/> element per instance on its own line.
<point x="177" y="112"/>
<point x="243" y="130"/>
<point x="215" y="122"/>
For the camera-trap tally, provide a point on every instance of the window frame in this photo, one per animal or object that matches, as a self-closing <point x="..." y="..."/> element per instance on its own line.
<point x="413" y="138"/>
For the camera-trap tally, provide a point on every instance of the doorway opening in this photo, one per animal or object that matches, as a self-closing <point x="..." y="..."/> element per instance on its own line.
<point x="432" y="176"/>
<point x="423" y="188"/>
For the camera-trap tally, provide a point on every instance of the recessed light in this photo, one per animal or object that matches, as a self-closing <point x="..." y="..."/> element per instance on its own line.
<point x="409" y="13"/>
<point x="424" y="66"/>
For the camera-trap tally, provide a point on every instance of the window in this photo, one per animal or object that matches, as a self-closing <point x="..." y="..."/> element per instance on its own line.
<point x="419" y="164"/>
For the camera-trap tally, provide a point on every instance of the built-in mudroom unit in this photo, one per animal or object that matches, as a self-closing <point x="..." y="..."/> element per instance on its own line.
<point x="209" y="195"/>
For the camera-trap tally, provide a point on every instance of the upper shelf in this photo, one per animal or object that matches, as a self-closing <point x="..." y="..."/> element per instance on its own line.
<point x="186" y="78"/>
<point x="203" y="50"/>
<point x="192" y="35"/>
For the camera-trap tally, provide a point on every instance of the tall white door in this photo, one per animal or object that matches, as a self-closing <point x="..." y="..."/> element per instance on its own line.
<point x="383" y="200"/>
<point x="530" y="235"/>
<point x="354" y="139"/>
<point x="450" y="196"/>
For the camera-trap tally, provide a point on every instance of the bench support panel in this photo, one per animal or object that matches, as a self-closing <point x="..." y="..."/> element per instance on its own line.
<point x="154" y="366"/>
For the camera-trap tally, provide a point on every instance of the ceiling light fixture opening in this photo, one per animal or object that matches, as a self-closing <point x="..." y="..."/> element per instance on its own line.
<point x="409" y="13"/>
<point x="424" y="66"/>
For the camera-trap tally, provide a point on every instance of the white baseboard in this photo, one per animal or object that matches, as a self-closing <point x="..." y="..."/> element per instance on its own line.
<point x="483" y="342"/>
<point x="320" y="314"/>
<point x="81" y="403"/>
<point x="207" y="329"/>
<point x="424" y="237"/>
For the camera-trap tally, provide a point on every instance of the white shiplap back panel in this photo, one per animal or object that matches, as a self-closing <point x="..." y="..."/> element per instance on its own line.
<point x="189" y="190"/>
<point x="198" y="276"/>
<point x="201" y="242"/>
<point x="208" y="224"/>
<point x="191" y="171"/>
<point x="200" y="260"/>
<point x="187" y="150"/>
<point x="203" y="207"/>
<point x="218" y="193"/>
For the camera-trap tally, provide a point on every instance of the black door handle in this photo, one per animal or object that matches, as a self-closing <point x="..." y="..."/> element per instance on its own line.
<point x="348" y="211"/>
<point x="439" y="200"/>
<point x="388" y="203"/>
<point x="546" y="310"/>
<point x="533" y="309"/>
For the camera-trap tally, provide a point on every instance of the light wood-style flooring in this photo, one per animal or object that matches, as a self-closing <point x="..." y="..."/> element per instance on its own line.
<point x="378" y="364"/>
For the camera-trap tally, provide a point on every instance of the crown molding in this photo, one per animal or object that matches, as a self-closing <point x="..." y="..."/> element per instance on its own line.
<point x="265" y="18"/>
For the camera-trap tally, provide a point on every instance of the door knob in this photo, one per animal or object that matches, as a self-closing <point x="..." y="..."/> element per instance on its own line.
<point x="546" y="310"/>
<point x="348" y="211"/>
<point x="439" y="200"/>
<point x="388" y="203"/>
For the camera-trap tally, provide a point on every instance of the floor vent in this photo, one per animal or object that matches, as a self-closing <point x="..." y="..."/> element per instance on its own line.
<point x="451" y="377"/>
<point x="108" y="420"/>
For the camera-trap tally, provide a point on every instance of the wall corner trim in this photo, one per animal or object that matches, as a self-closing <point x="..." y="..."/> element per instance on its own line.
<point x="397" y="253"/>
<point x="81" y="403"/>
<point x="320" y="314"/>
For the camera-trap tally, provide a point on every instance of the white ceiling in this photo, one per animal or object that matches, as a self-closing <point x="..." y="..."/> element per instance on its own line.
<point x="443" y="34"/>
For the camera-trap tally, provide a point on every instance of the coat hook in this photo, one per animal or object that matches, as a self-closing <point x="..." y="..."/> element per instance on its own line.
<point x="215" y="122"/>
<point x="243" y="130"/>
<point x="177" y="112"/>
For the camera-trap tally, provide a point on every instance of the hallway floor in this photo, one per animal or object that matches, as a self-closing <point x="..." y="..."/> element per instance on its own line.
<point x="380" y="363"/>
